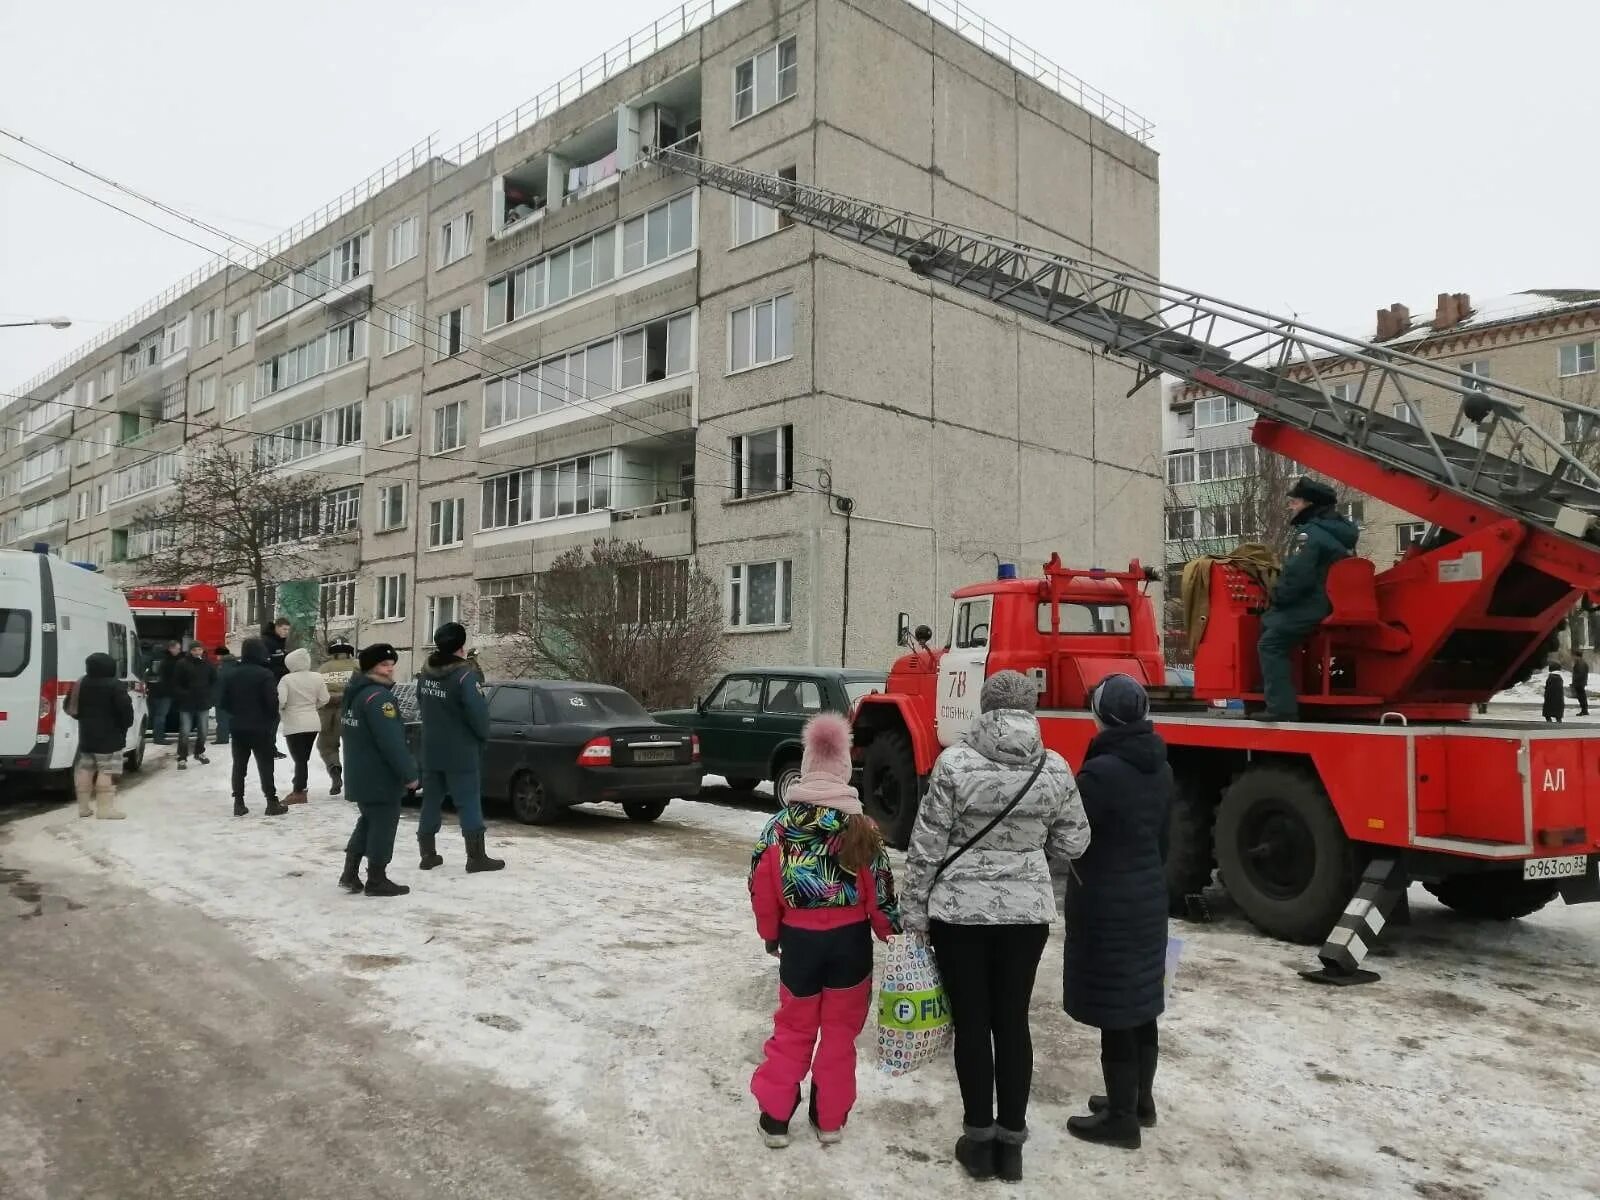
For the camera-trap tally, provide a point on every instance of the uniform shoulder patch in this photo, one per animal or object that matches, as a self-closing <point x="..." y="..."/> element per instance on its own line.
<point x="389" y="709"/>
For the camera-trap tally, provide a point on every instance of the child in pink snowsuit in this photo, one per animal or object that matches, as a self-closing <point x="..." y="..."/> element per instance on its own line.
<point x="821" y="887"/>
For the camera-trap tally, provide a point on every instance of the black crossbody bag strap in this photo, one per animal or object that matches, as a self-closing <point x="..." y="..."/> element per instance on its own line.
<point x="1038" y="767"/>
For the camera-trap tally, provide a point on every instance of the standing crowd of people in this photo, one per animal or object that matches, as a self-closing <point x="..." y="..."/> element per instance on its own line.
<point x="999" y="809"/>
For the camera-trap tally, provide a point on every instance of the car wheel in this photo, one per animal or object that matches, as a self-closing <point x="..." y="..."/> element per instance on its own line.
<point x="890" y="788"/>
<point x="784" y="778"/>
<point x="531" y="801"/>
<point x="133" y="760"/>
<point x="1283" y="854"/>
<point x="644" y="810"/>
<point x="743" y="785"/>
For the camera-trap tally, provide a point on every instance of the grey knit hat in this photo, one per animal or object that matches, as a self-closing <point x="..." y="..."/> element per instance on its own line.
<point x="1119" y="700"/>
<point x="1009" y="689"/>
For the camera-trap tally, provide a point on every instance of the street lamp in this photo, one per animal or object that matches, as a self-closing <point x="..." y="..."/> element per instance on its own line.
<point x="53" y="322"/>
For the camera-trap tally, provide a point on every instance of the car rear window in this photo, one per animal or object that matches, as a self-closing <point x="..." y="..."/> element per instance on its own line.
<point x="15" y="643"/>
<point x="576" y="704"/>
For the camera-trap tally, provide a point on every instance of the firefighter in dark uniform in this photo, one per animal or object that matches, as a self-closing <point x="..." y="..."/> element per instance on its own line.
<point x="1321" y="537"/>
<point x="379" y="770"/>
<point x="455" y="730"/>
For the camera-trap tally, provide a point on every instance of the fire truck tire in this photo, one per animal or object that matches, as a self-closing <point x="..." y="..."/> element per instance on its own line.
<point x="1191" y="847"/>
<point x="1493" y="895"/>
<point x="889" y="786"/>
<point x="1283" y="854"/>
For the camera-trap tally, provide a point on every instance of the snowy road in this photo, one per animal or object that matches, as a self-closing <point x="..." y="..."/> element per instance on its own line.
<point x="612" y="972"/>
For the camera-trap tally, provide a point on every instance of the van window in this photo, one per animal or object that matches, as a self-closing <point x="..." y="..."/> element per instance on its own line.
<point x="1088" y="618"/>
<point x="117" y="647"/>
<point x="15" y="644"/>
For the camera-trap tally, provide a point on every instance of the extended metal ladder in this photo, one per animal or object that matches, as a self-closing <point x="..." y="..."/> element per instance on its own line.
<point x="1516" y="465"/>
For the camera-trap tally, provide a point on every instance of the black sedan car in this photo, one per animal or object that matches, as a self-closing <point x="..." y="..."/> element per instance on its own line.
<point x="553" y="744"/>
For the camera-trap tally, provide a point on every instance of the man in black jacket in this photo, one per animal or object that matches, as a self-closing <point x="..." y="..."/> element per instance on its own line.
<point x="104" y="713"/>
<point x="250" y="697"/>
<point x="193" y="681"/>
<point x="160" y="690"/>
<point x="1580" y="682"/>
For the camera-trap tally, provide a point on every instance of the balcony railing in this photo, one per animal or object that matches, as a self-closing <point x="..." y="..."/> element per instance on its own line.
<point x="659" y="509"/>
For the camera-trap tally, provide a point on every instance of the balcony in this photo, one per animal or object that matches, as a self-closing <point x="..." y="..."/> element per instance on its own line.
<point x="665" y="528"/>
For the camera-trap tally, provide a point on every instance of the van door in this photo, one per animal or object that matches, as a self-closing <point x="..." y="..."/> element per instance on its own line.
<point x="963" y="669"/>
<point x="19" y="670"/>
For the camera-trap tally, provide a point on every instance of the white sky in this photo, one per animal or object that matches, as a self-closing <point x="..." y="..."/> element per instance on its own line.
<point x="1323" y="157"/>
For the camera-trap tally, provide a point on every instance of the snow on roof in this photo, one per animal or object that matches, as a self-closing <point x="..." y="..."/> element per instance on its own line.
<point x="1519" y="306"/>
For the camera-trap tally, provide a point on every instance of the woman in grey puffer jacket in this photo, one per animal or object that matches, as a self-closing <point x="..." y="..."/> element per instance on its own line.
<point x="988" y="913"/>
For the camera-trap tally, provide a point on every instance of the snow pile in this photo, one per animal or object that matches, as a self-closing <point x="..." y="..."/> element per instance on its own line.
<point x="613" y="968"/>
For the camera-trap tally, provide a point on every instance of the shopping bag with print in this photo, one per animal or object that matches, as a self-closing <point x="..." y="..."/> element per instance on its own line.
<point x="1174" y="957"/>
<point x="913" y="1013"/>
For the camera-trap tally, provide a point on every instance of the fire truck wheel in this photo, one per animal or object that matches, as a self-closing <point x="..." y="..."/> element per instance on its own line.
<point x="1190" y="846"/>
<point x="1282" y="853"/>
<point x="889" y="786"/>
<point x="1493" y="895"/>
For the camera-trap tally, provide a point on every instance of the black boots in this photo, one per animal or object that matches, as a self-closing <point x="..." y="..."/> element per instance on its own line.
<point x="336" y="778"/>
<point x="379" y="884"/>
<point x="1008" y="1153"/>
<point x="239" y="810"/>
<point x="477" y="859"/>
<point x="1117" y="1124"/>
<point x="975" y="1151"/>
<point x="431" y="857"/>
<point x="274" y="809"/>
<point x="1145" y="1110"/>
<point x="350" y="881"/>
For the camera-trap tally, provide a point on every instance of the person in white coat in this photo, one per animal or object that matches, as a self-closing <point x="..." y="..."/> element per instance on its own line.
<point x="301" y="693"/>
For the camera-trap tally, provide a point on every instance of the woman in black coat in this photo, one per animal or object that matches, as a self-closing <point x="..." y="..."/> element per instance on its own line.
<point x="1554" y="702"/>
<point x="1116" y="926"/>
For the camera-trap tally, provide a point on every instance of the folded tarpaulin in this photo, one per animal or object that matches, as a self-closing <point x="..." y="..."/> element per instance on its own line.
<point x="1255" y="559"/>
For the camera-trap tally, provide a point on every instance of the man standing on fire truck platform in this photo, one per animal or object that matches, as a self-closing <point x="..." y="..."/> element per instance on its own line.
<point x="1321" y="537"/>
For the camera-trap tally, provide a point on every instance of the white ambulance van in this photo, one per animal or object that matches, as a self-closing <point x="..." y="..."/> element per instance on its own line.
<point x="53" y="615"/>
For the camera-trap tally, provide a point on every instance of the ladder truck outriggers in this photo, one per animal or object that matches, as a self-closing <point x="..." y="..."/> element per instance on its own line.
<point x="1317" y="826"/>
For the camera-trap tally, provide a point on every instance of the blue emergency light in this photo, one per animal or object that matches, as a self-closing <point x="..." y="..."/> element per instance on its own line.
<point x="1008" y="571"/>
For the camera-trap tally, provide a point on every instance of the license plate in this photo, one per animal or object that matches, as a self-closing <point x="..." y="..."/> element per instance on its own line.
<point x="1555" y="868"/>
<point x="654" y="754"/>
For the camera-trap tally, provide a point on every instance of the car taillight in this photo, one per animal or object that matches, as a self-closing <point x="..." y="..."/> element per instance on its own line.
<point x="596" y="754"/>
<point x="49" y="693"/>
<point x="694" y="747"/>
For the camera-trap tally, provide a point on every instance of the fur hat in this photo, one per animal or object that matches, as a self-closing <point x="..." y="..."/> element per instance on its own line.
<point x="378" y="652"/>
<point x="1008" y="689"/>
<point x="341" y="646"/>
<point x="1119" y="700"/>
<point x="450" y="637"/>
<point x="1314" y="491"/>
<point x="825" y="766"/>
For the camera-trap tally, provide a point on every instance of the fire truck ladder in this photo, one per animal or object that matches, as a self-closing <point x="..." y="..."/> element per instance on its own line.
<point x="1276" y="366"/>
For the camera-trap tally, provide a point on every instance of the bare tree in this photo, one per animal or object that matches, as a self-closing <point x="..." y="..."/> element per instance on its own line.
<point x="615" y="613"/>
<point x="235" y="518"/>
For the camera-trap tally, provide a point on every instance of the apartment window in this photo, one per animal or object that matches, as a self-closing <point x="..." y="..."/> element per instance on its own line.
<point x="172" y="402"/>
<point x="343" y="264"/>
<point x="1479" y="372"/>
<point x="1232" y="462"/>
<point x="1180" y="467"/>
<point x="346" y="423"/>
<point x="391" y="598"/>
<point x="341" y="509"/>
<point x="758" y="595"/>
<point x="336" y="596"/>
<point x="175" y="340"/>
<point x="391" y="507"/>
<point x="404" y="240"/>
<point x="295" y="441"/>
<point x="561" y="489"/>
<point x="764" y="79"/>
<point x="501" y="600"/>
<point x="239" y="328"/>
<point x="664" y="231"/>
<point x="641" y="355"/>
<point x="1408" y="534"/>
<point x="206" y="394"/>
<point x="399" y="328"/>
<point x="342" y="344"/>
<point x="1577" y="359"/>
<point x="238" y="398"/>
<point x="259" y="606"/>
<point x="448" y="427"/>
<point x="82" y="454"/>
<point x="441" y="611"/>
<point x="1180" y="524"/>
<point x="752" y="221"/>
<point x="1218" y="410"/>
<point x="1343" y="391"/>
<point x="1223" y="521"/>
<point x="84" y="499"/>
<point x="761" y="333"/>
<point x="107" y="439"/>
<point x="446" y="523"/>
<point x="455" y="239"/>
<point x="294" y="522"/>
<point x="1404" y="411"/>
<point x="396" y="418"/>
<point x="108" y="383"/>
<point x="210" y="321"/>
<point x="452" y="332"/>
<point x="1354" y="511"/>
<point x="101" y="498"/>
<point x="763" y="463"/>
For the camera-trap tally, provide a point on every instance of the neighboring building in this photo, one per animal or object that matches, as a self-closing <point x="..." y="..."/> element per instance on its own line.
<point x="534" y="340"/>
<point x="1543" y="339"/>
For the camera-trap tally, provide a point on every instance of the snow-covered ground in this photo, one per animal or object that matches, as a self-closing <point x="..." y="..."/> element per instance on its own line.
<point x="613" y="968"/>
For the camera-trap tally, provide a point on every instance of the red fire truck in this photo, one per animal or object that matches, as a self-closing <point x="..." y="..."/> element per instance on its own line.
<point x="1388" y="779"/>
<point x="189" y="612"/>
